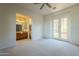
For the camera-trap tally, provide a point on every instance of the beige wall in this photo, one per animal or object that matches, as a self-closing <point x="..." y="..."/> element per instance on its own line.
<point x="7" y="27"/>
<point x="73" y="15"/>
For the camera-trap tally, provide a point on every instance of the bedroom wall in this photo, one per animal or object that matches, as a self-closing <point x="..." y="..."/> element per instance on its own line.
<point x="8" y="24"/>
<point x="7" y="27"/>
<point x="47" y="27"/>
<point x="73" y="15"/>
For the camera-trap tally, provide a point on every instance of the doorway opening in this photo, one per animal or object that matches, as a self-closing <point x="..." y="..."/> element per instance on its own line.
<point x="23" y="27"/>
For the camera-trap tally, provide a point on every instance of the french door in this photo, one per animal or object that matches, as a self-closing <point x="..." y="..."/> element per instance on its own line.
<point x="60" y="28"/>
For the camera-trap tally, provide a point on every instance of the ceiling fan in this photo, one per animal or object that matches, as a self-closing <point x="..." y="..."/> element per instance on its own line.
<point x="47" y="4"/>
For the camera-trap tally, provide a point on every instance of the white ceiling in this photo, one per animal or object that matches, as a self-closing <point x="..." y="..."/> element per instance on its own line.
<point x="46" y="10"/>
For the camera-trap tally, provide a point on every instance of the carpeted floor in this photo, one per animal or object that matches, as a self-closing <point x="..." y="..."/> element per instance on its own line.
<point x="43" y="47"/>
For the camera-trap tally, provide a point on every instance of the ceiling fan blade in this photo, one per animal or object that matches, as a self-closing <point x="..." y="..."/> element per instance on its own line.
<point x="37" y="3"/>
<point x="42" y="6"/>
<point x="49" y="5"/>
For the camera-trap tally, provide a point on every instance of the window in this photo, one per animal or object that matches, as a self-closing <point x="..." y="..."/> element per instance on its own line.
<point x="64" y="27"/>
<point x="56" y="34"/>
<point x="60" y="28"/>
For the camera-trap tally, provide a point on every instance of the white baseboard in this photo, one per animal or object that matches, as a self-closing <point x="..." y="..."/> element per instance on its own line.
<point x="69" y="42"/>
<point x="74" y="43"/>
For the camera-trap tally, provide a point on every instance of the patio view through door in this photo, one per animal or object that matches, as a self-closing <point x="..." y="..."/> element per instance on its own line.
<point x="60" y="28"/>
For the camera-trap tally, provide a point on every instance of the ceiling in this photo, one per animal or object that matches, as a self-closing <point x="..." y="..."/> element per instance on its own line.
<point x="46" y="10"/>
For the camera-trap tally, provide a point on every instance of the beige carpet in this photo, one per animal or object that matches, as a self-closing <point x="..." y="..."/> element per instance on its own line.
<point x="43" y="47"/>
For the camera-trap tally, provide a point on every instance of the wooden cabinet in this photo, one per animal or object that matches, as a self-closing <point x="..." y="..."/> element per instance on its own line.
<point x="21" y="35"/>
